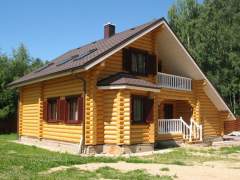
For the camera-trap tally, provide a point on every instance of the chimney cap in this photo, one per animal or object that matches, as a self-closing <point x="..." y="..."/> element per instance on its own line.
<point x="109" y="30"/>
<point x="109" y="23"/>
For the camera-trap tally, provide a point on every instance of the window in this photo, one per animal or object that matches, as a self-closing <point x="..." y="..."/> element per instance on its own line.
<point x="74" y="109"/>
<point x="141" y="109"/>
<point x="67" y="110"/>
<point x="52" y="110"/>
<point x="138" y="109"/>
<point x="139" y="62"/>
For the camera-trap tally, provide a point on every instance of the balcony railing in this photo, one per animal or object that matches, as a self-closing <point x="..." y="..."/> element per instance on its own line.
<point x="174" y="82"/>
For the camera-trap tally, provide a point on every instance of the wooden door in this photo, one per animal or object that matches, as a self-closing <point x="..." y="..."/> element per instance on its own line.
<point x="168" y="111"/>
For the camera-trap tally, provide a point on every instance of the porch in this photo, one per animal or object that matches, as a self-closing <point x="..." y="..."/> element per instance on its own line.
<point x="175" y="122"/>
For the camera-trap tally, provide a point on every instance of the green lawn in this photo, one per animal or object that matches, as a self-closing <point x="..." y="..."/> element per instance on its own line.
<point x="105" y="173"/>
<point x="192" y="156"/>
<point x="26" y="162"/>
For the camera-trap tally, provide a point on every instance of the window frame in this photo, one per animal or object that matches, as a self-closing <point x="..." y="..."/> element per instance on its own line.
<point x="68" y="120"/>
<point x="49" y="108"/>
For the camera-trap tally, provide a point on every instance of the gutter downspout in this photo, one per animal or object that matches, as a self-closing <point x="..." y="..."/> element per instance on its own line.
<point x="82" y="139"/>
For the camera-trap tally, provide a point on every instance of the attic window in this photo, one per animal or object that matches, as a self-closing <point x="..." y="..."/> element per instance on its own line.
<point x="44" y="67"/>
<point x="84" y="54"/>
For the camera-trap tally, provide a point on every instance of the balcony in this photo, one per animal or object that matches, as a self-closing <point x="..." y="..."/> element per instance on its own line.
<point x="174" y="82"/>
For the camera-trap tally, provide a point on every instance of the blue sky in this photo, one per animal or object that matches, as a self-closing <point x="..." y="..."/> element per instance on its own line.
<point x="51" y="27"/>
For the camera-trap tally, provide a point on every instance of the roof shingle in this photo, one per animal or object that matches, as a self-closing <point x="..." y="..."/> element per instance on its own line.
<point x="102" y="47"/>
<point x="123" y="78"/>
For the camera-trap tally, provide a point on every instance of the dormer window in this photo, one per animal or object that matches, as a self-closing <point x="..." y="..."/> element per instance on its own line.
<point x="139" y="62"/>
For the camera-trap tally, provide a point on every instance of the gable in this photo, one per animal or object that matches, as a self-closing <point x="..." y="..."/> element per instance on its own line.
<point x="182" y="63"/>
<point x="176" y="59"/>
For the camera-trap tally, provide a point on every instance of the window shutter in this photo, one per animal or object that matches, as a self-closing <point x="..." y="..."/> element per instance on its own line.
<point x="152" y="64"/>
<point x="148" y="110"/>
<point x="62" y="110"/>
<point x="58" y="110"/>
<point x="66" y="111"/>
<point x="45" y="110"/>
<point x="126" y="61"/>
<point x="80" y="109"/>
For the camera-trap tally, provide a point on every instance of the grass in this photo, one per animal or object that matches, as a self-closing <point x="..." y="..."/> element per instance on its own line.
<point x="104" y="173"/>
<point x="25" y="162"/>
<point x="164" y="169"/>
<point x="186" y="156"/>
<point x="230" y="150"/>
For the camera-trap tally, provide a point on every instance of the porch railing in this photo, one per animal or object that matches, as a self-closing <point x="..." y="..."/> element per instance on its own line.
<point x="196" y="130"/>
<point x="174" y="82"/>
<point x="174" y="126"/>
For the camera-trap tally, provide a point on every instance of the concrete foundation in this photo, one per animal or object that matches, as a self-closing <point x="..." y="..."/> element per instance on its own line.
<point x="73" y="148"/>
<point x="51" y="145"/>
<point x="122" y="149"/>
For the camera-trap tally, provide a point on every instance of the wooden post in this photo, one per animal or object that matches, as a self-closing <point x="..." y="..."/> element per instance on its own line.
<point x="120" y="100"/>
<point x="40" y="113"/>
<point x="153" y="124"/>
<point x="126" y="116"/>
<point x="91" y="109"/>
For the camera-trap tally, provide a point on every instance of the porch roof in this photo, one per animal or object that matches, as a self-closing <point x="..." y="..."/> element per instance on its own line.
<point x="124" y="80"/>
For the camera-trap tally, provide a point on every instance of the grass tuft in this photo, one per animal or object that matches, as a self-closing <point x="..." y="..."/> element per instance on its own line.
<point x="165" y="169"/>
<point x="230" y="150"/>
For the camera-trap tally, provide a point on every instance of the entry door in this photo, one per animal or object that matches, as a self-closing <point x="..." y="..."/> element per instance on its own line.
<point x="168" y="111"/>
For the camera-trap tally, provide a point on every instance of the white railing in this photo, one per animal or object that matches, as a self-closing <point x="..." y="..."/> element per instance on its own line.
<point x="179" y="126"/>
<point x="174" y="82"/>
<point x="196" y="130"/>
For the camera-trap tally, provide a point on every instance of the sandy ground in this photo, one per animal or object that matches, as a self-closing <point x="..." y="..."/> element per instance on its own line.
<point x="208" y="171"/>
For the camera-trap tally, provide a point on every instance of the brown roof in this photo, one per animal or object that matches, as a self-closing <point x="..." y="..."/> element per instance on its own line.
<point x="80" y="57"/>
<point x="123" y="78"/>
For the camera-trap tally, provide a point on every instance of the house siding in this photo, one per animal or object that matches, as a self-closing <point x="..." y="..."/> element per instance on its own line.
<point x="208" y="114"/>
<point x="30" y="111"/>
<point x="113" y="64"/>
<point x="113" y="106"/>
<point x="61" y="87"/>
<point x="31" y="122"/>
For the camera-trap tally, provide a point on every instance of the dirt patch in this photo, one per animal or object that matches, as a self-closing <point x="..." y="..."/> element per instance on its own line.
<point x="210" y="171"/>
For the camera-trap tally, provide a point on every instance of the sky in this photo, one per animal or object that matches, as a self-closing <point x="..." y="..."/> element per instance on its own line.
<point x="49" y="28"/>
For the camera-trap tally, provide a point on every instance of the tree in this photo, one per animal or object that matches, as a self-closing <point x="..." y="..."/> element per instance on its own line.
<point x="12" y="68"/>
<point x="210" y="31"/>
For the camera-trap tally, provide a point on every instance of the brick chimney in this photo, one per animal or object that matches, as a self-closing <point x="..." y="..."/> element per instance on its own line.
<point x="109" y="30"/>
